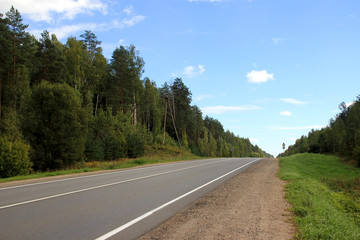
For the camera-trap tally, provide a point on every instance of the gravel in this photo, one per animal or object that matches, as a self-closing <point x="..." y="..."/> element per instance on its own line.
<point x="248" y="206"/>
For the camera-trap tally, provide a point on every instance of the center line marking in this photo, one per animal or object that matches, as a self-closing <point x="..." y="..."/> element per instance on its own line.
<point x="101" y="186"/>
<point x="145" y="215"/>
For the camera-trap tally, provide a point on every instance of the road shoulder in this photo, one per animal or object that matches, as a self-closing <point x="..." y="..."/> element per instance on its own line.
<point x="249" y="206"/>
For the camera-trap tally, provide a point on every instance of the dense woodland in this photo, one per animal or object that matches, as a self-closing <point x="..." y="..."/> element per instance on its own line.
<point x="61" y="104"/>
<point x="340" y="137"/>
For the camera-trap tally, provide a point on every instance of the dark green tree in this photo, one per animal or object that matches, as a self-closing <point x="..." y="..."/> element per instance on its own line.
<point x="126" y="68"/>
<point x="55" y="125"/>
<point x="5" y="54"/>
<point x="51" y="61"/>
<point x="75" y="56"/>
<point x="18" y="34"/>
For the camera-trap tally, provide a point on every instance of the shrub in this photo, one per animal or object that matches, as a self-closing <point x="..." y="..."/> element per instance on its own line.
<point x="135" y="145"/>
<point x="94" y="150"/>
<point x="14" y="158"/>
<point x="115" y="147"/>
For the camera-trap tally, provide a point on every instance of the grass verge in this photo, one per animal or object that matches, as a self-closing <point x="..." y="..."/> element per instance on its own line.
<point x="153" y="155"/>
<point x="325" y="195"/>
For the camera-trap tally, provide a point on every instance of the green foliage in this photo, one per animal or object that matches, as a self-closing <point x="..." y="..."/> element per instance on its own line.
<point x="324" y="195"/>
<point x="135" y="145"/>
<point x="55" y="125"/>
<point x="72" y="105"/>
<point x="341" y="137"/>
<point x="10" y="125"/>
<point x="94" y="149"/>
<point x="106" y="138"/>
<point x="14" y="158"/>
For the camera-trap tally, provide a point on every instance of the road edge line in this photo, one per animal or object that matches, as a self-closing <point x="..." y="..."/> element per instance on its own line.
<point x="145" y="215"/>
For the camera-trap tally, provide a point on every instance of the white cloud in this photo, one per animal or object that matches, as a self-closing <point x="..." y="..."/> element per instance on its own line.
<point x="45" y="10"/>
<point x="68" y="30"/>
<point x="203" y="97"/>
<point x="259" y="76"/>
<point x="254" y="140"/>
<point x="349" y="104"/>
<point x="126" y="22"/>
<point x="223" y="109"/>
<point x="129" y="10"/>
<point x="292" y="101"/>
<point x="191" y="71"/>
<point x="277" y="40"/>
<point x="299" y="127"/>
<point x="201" y="69"/>
<point x="285" y="113"/>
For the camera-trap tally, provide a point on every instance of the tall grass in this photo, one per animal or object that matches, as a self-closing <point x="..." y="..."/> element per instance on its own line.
<point x="325" y="196"/>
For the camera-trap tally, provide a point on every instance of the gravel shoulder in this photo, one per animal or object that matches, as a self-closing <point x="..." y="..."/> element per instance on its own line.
<point x="249" y="206"/>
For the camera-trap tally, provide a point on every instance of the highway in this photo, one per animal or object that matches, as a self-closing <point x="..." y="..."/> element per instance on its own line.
<point x="117" y="205"/>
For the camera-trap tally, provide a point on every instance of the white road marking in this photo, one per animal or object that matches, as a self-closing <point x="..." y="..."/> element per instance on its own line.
<point x="100" y="186"/>
<point x="138" y="219"/>
<point x="88" y="176"/>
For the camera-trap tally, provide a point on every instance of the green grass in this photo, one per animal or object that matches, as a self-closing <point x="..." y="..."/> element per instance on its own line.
<point x="153" y="155"/>
<point x="325" y="195"/>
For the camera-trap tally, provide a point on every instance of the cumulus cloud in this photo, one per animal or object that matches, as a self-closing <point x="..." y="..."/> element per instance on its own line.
<point x="259" y="76"/>
<point x="45" y="10"/>
<point x="285" y="113"/>
<point x="191" y="71"/>
<point x="64" y="31"/>
<point x="254" y="140"/>
<point x="49" y="11"/>
<point x="67" y="30"/>
<point x="223" y="109"/>
<point x="292" y="101"/>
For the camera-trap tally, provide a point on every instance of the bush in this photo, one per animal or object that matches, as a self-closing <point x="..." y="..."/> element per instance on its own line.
<point x="14" y="158"/>
<point x="94" y="150"/>
<point x="356" y="154"/>
<point x="115" y="147"/>
<point x="135" y="145"/>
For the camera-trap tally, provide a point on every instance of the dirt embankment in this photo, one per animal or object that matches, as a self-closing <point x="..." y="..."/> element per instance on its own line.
<point x="249" y="206"/>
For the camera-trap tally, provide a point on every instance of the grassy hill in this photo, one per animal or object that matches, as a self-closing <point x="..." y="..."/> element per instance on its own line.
<point x="325" y="194"/>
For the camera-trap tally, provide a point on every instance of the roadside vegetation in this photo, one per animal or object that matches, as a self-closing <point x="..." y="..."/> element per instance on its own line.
<point x="325" y="195"/>
<point x="341" y="137"/>
<point x="153" y="155"/>
<point x="64" y="104"/>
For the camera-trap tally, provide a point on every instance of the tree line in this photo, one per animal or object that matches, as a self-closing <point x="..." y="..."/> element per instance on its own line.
<point x="61" y="104"/>
<point x="340" y="137"/>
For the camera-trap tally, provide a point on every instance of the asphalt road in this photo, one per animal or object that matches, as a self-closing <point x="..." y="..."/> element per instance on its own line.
<point x="118" y="205"/>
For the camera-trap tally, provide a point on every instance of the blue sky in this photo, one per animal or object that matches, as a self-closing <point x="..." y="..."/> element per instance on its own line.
<point x="268" y="70"/>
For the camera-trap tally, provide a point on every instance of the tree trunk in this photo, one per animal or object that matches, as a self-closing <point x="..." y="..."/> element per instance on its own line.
<point x="96" y="104"/>
<point x="14" y="70"/>
<point x="134" y="109"/>
<point x="165" y="121"/>
<point x="177" y="136"/>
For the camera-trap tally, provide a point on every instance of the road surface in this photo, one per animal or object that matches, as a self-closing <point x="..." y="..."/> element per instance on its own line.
<point x="117" y="205"/>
